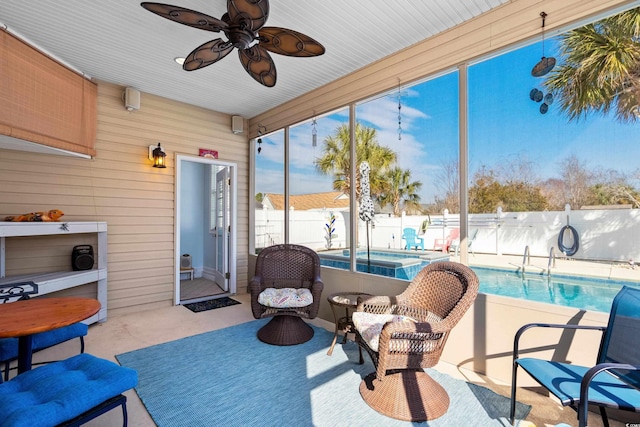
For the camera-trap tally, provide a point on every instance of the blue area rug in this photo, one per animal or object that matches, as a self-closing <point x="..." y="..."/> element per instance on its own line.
<point x="230" y="378"/>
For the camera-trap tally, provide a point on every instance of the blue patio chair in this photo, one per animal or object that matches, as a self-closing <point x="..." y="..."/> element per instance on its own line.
<point x="9" y="346"/>
<point x="411" y="238"/>
<point x="614" y="382"/>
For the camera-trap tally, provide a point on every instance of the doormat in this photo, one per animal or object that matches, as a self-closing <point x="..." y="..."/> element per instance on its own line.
<point x="197" y="307"/>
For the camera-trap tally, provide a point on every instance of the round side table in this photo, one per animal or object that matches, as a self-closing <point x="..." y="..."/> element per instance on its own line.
<point x="348" y="300"/>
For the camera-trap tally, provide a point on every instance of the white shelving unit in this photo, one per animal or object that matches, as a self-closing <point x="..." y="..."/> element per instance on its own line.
<point x="59" y="280"/>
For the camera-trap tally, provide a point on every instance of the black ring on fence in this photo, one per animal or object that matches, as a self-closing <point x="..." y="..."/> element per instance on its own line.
<point x="568" y="251"/>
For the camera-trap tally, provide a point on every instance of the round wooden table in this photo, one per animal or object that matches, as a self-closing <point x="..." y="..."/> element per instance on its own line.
<point x="22" y="319"/>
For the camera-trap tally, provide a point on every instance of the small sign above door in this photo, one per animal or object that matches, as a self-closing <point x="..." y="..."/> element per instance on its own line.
<point x="211" y="154"/>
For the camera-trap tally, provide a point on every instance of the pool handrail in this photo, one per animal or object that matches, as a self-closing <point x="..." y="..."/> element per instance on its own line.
<point x="552" y="258"/>
<point x="526" y="258"/>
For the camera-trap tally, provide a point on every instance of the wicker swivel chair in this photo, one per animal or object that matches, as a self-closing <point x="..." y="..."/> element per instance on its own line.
<point x="405" y="333"/>
<point x="287" y="288"/>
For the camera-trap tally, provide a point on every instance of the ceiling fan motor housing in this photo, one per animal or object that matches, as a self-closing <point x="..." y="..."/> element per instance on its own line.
<point x="239" y="37"/>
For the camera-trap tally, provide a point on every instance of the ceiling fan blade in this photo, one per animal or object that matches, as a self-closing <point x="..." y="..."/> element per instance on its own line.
<point x="258" y="63"/>
<point x="207" y="54"/>
<point x="253" y="12"/>
<point x="288" y="42"/>
<point x="186" y="16"/>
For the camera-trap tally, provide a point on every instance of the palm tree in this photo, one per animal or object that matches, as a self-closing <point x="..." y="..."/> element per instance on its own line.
<point x="399" y="191"/>
<point x="335" y="159"/>
<point x="600" y="70"/>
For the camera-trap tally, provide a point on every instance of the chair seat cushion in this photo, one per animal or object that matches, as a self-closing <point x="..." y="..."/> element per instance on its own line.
<point x="9" y="346"/>
<point x="563" y="380"/>
<point x="285" y="297"/>
<point x="60" y="391"/>
<point x="369" y="325"/>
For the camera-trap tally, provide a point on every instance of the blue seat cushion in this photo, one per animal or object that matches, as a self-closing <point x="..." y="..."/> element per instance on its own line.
<point x="9" y="346"/>
<point x="563" y="380"/>
<point x="60" y="391"/>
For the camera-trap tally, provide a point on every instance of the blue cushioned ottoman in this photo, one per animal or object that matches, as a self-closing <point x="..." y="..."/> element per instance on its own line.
<point x="60" y="391"/>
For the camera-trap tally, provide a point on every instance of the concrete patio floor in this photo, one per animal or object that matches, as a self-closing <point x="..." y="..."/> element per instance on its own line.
<point x="129" y="332"/>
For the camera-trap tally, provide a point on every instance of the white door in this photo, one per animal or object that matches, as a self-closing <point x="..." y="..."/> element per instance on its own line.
<point x="221" y="230"/>
<point x="217" y="198"/>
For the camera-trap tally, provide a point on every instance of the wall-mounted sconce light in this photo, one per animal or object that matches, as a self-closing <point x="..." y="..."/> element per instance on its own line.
<point x="157" y="154"/>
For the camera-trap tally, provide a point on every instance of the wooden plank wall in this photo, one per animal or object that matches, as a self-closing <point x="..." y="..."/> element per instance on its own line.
<point x="121" y="187"/>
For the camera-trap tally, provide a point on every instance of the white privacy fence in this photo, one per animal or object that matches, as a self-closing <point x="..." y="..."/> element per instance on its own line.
<point x="607" y="235"/>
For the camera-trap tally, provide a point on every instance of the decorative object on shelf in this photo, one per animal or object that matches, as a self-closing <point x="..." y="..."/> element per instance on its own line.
<point x="82" y="257"/>
<point x="49" y="216"/>
<point x="243" y="24"/>
<point x="210" y="154"/>
<point x="545" y="64"/>
<point x="157" y="154"/>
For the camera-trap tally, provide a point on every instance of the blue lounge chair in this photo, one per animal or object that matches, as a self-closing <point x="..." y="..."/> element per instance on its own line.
<point x="411" y="238"/>
<point x="614" y="382"/>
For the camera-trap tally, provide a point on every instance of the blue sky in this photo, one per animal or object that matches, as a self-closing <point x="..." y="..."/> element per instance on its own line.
<point x="504" y="124"/>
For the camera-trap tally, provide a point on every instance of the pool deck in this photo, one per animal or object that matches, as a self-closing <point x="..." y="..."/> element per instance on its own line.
<point x="608" y="270"/>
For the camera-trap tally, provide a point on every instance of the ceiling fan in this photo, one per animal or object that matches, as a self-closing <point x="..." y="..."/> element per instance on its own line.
<point x="243" y="24"/>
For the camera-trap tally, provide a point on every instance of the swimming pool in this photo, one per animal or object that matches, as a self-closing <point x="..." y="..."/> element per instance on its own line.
<point x="399" y="264"/>
<point x="588" y="293"/>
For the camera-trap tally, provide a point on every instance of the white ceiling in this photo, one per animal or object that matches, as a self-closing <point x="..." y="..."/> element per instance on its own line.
<point x="120" y="42"/>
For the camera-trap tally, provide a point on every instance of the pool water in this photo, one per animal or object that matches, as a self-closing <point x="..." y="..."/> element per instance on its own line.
<point x="586" y="293"/>
<point x="398" y="264"/>
<point x="385" y="256"/>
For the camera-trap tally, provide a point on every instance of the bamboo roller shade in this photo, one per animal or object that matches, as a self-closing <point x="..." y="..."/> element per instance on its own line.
<point x="44" y="102"/>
